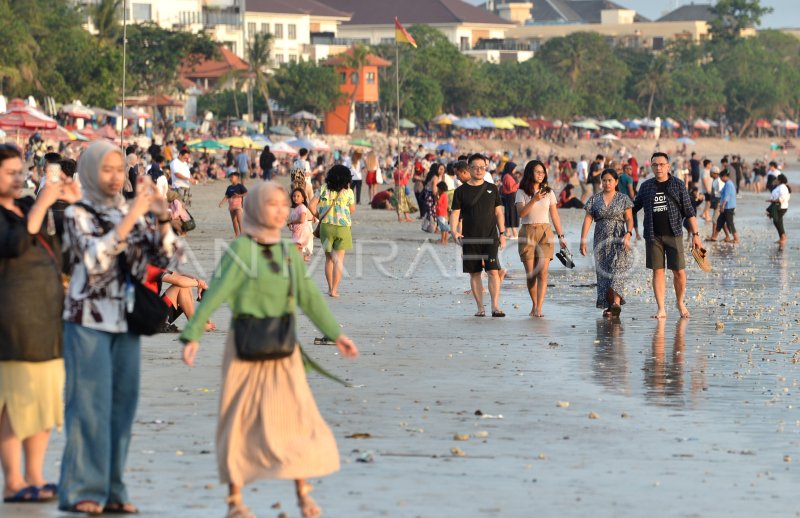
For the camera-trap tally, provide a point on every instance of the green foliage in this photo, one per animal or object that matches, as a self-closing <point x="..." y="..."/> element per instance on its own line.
<point x="732" y="16"/>
<point x="259" y="51"/>
<point x="155" y="56"/>
<point x="306" y="86"/>
<point x="226" y="104"/>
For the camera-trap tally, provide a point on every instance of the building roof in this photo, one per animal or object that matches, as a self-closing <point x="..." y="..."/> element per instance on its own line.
<point x="689" y="13"/>
<point x="383" y="12"/>
<point x="310" y="7"/>
<point x="572" y="11"/>
<point x="216" y="68"/>
<point x="372" y="59"/>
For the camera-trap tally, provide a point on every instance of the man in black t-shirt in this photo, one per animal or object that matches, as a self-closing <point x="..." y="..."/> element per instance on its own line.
<point x="477" y="204"/>
<point x="595" y="172"/>
<point x="694" y="169"/>
<point x="267" y="162"/>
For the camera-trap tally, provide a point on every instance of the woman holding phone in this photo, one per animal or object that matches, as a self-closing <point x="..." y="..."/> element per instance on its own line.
<point x="537" y="205"/>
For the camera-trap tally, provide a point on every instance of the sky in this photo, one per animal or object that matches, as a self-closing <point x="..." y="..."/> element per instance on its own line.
<point x="785" y="12"/>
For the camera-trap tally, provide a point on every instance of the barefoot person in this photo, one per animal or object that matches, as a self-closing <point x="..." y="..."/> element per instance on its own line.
<point x="334" y="206"/>
<point x="477" y="203"/>
<point x="269" y="426"/>
<point x="727" y="208"/>
<point x="536" y="205"/>
<point x="234" y="195"/>
<point x="779" y="203"/>
<point x="32" y="298"/>
<point x="611" y="212"/>
<point x="666" y="203"/>
<point x="101" y="356"/>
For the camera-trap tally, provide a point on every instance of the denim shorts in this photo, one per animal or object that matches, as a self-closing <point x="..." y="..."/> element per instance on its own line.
<point x="443" y="225"/>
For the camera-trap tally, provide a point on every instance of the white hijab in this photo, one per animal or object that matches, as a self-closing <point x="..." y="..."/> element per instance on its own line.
<point x="89" y="165"/>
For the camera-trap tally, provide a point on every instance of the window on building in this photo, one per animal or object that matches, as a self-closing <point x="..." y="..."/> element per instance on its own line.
<point x="354" y="78"/>
<point x="264" y="27"/>
<point x="388" y="41"/>
<point x="251" y="30"/>
<point x="292" y="30"/>
<point x="342" y="78"/>
<point x="278" y="31"/>
<point x="658" y="43"/>
<point x="464" y="42"/>
<point x="141" y="12"/>
<point x="292" y="58"/>
<point x="231" y="46"/>
<point x="280" y="58"/>
<point x="370" y="77"/>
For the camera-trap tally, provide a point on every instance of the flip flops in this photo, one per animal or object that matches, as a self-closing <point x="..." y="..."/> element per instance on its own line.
<point x="30" y="495"/>
<point x="701" y="258"/>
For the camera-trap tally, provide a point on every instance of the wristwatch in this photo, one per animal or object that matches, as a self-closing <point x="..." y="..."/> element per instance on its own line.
<point x="696" y="234"/>
<point x="629" y="232"/>
<point x="561" y="236"/>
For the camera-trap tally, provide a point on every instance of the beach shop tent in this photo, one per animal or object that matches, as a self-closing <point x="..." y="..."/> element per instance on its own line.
<point x="588" y="124"/>
<point x="320" y="145"/>
<point x="701" y="125"/>
<point x="281" y="130"/>
<point x="304" y="116"/>
<point x="445" y="119"/>
<point x="300" y="143"/>
<point x="282" y="148"/>
<point x="467" y="124"/>
<point x="407" y="124"/>
<point x="76" y="110"/>
<point x="611" y="124"/>
<point x="631" y="124"/>
<point x="22" y="117"/>
<point x="207" y="144"/>
<point x="502" y="123"/>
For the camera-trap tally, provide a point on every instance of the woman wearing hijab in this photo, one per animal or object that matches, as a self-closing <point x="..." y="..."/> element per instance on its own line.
<point x="101" y="357"/>
<point x="32" y="298"/>
<point x="508" y="195"/>
<point x="269" y="426"/>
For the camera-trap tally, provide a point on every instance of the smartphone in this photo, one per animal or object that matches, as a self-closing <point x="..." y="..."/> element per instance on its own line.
<point x="53" y="172"/>
<point x="545" y="190"/>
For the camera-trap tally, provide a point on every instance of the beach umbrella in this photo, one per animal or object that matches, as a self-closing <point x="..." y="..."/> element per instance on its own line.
<point x="301" y="142"/>
<point x="2" y="134"/>
<point x="207" y="144"/>
<point x="612" y="124"/>
<point x="609" y="136"/>
<point x="77" y="111"/>
<point x="320" y="145"/>
<point x="502" y="124"/>
<point x="243" y="142"/>
<point x="407" y="124"/>
<point x="483" y="122"/>
<point x="186" y="125"/>
<point x="281" y="130"/>
<point x="282" y="148"/>
<point x="631" y="124"/>
<point x="304" y="116"/>
<point x="444" y="119"/>
<point x="21" y="116"/>
<point x="467" y="124"/>
<point x="586" y="124"/>
<point x="557" y="123"/>
<point x="447" y="147"/>
<point x="428" y="145"/>
<point x="763" y="124"/>
<point x="261" y="140"/>
<point x="700" y="124"/>
<point x="516" y="121"/>
<point x="686" y="140"/>
<point x="789" y="125"/>
<point x="360" y="142"/>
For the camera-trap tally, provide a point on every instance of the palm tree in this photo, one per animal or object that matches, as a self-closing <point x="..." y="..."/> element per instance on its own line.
<point x="654" y="81"/>
<point x="105" y="17"/>
<point x="355" y="59"/>
<point x="259" y="54"/>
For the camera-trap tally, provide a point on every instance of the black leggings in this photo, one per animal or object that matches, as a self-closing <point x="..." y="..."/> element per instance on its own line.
<point x="778" y="220"/>
<point x="726" y="217"/>
<point x="357" y="189"/>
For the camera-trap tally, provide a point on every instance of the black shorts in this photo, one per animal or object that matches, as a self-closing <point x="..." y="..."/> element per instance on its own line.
<point x="174" y="313"/>
<point x="714" y="202"/>
<point x="707" y="196"/>
<point x="480" y="254"/>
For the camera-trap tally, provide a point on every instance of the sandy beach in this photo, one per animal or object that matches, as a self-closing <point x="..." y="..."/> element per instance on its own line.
<point x="569" y="415"/>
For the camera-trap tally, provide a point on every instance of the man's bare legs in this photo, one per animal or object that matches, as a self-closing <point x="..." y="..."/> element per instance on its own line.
<point x="679" y="282"/>
<point x="659" y="287"/>
<point x="494" y="289"/>
<point x="476" y="287"/>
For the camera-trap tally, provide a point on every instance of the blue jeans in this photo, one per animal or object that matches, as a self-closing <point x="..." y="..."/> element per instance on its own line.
<point x="101" y="393"/>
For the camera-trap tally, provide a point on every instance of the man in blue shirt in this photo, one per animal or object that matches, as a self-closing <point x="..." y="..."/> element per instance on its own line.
<point x="727" y="206"/>
<point x="243" y="163"/>
<point x="666" y="204"/>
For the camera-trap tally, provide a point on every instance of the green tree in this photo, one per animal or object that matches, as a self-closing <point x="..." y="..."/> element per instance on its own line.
<point x="356" y="58"/>
<point x="307" y="86"/>
<point x="259" y="55"/>
<point x="733" y="16"/>
<point x="105" y="15"/>
<point x="656" y="81"/>
<point x="697" y="91"/>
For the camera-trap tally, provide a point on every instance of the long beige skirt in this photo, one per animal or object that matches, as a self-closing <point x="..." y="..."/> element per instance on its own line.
<point x="32" y="394"/>
<point x="269" y="425"/>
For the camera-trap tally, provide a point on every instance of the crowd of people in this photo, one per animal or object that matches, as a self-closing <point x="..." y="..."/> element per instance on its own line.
<point x="98" y="244"/>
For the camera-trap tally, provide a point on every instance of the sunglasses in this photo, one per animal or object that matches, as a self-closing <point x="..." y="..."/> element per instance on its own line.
<point x="273" y="264"/>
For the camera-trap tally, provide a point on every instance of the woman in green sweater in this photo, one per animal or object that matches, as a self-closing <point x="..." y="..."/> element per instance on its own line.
<point x="269" y="426"/>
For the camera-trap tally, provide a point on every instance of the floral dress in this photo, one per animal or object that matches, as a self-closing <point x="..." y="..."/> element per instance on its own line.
<point x="612" y="262"/>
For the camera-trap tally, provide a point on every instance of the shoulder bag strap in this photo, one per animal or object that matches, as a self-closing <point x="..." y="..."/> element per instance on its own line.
<point x="479" y="196"/>
<point x="333" y="201"/>
<point x="674" y="200"/>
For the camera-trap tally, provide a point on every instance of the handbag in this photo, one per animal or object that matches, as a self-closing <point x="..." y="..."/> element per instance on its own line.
<point x="428" y="224"/>
<point x="188" y="226"/>
<point x="145" y="310"/>
<point x="772" y="210"/>
<point x="267" y="338"/>
<point x="316" y="229"/>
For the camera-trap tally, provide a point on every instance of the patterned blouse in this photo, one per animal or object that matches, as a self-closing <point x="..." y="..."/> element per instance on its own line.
<point x="339" y="215"/>
<point x="96" y="293"/>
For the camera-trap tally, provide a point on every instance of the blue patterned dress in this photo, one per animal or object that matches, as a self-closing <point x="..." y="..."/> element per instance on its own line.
<point x="611" y="261"/>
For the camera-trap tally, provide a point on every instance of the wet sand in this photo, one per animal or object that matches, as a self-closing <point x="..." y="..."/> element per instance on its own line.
<point x="680" y="418"/>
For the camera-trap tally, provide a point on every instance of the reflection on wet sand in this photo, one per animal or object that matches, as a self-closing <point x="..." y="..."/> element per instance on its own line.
<point x="610" y="364"/>
<point x="664" y="378"/>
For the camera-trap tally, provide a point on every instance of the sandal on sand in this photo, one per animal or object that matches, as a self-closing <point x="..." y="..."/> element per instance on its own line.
<point x="308" y="507"/>
<point x="615" y="310"/>
<point x="480" y="313"/>
<point x="236" y="508"/>
<point x="84" y="507"/>
<point x="498" y="314"/>
<point x="115" y="508"/>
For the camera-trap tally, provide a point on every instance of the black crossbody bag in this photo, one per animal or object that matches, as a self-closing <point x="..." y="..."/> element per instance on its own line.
<point x="145" y="310"/>
<point x="267" y="338"/>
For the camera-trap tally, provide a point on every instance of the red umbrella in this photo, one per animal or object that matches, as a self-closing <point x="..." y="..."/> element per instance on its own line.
<point x="763" y="124"/>
<point x="20" y="116"/>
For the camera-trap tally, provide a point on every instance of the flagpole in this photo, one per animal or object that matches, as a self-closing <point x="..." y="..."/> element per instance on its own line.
<point x="124" y="70"/>
<point x="397" y="80"/>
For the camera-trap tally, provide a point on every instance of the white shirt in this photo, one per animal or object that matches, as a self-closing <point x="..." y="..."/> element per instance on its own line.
<point x="450" y="181"/>
<point x="355" y="170"/>
<point x="704" y="174"/>
<point x="583" y="167"/>
<point x="162" y="186"/>
<point x="488" y="177"/>
<point x="781" y="193"/>
<point x="540" y="212"/>
<point x="716" y="187"/>
<point x="178" y="167"/>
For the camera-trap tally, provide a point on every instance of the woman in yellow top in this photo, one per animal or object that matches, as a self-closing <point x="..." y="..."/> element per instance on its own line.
<point x="337" y="204"/>
<point x="269" y="426"/>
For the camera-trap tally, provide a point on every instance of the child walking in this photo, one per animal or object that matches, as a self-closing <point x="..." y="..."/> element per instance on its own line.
<point x="234" y="195"/>
<point x="442" y="213"/>
<point x="300" y="220"/>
